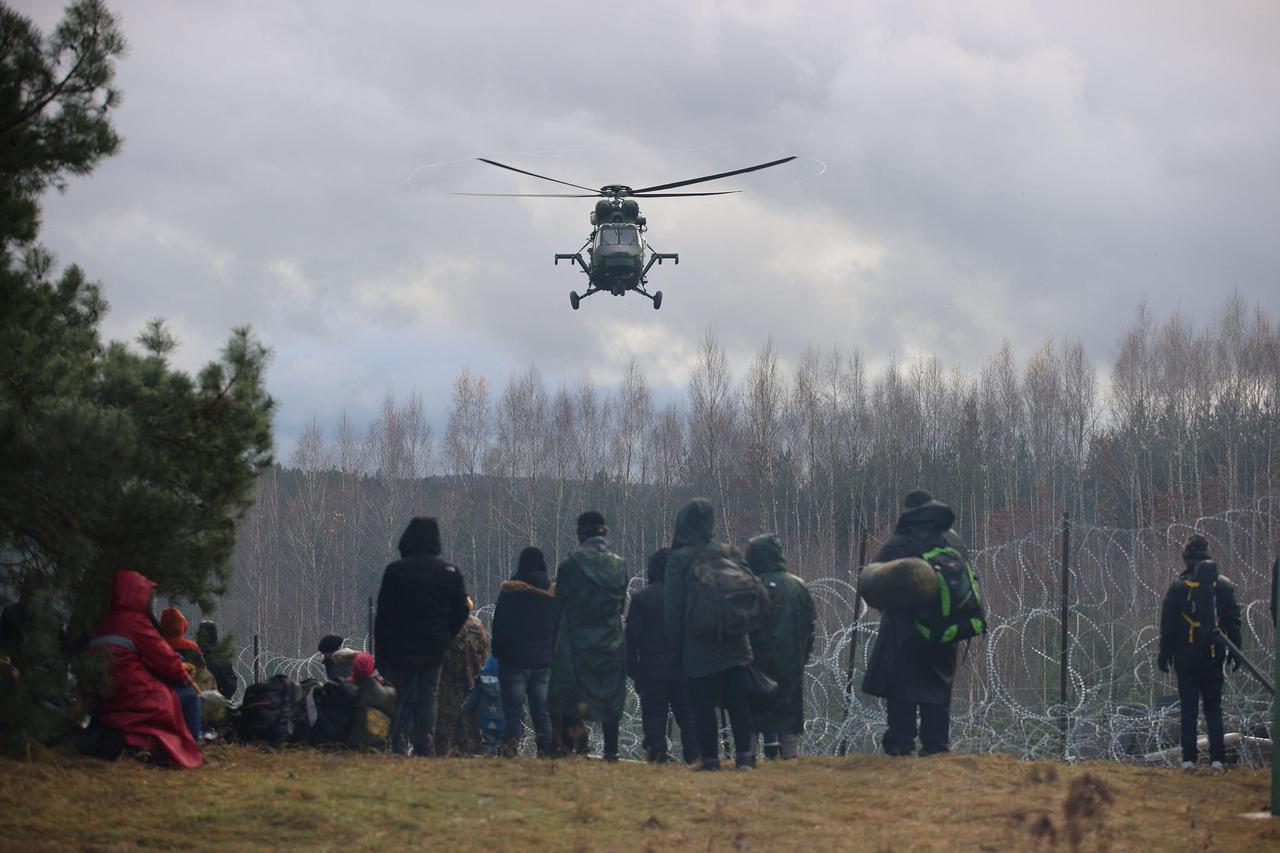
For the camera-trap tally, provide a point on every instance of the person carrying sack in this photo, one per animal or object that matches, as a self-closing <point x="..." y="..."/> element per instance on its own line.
<point x="1199" y="608"/>
<point x="913" y="662"/>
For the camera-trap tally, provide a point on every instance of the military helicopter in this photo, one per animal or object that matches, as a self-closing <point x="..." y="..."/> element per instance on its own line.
<point x="616" y="248"/>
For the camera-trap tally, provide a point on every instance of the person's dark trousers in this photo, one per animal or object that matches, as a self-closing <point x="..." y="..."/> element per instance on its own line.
<point x="518" y="686"/>
<point x="1200" y="682"/>
<point x="416" y="691"/>
<point x="656" y="698"/>
<point x="729" y="687"/>
<point x="900" y="735"/>
<point x="190" y="700"/>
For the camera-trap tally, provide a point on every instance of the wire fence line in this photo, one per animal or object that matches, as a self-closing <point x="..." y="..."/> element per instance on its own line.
<point x="1007" y="698"/>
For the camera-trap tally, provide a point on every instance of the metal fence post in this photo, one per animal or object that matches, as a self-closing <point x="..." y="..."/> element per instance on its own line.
<point x="257" y="671"/>
<point x="1065" y="615"/>
<point x="853" y="638"/>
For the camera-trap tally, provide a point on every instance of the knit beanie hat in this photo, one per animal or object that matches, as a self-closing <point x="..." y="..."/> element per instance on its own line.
<point x="917" y="498"/>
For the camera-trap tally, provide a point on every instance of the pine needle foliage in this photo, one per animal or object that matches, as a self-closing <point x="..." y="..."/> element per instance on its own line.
<point x="112" y="459"/>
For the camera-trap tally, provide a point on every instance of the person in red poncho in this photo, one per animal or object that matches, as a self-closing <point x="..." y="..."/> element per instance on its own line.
<point x="144" y="671"/>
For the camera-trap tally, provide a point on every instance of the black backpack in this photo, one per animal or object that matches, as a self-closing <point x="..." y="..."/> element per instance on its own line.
<point x="330" y="708"/>
<point x="1200" y="608"/>
<point x="273" y="711"/>
<point x="726" y="599"/>
<point x="957" y="614"/>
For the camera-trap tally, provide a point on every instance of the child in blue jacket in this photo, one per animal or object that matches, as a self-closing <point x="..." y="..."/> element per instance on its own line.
<point x="484" y="705"/>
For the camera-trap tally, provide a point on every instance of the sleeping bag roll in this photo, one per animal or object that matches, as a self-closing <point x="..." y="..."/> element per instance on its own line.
<point x="906" y="583"/>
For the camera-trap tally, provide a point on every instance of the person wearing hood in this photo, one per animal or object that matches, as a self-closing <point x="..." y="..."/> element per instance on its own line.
<point x="144" y="672"/>
<point x="589" y="667"/>
<point x="651" y="663"/>
<point x="715" y="667"/>
<point x="217" y="657"/>
<point x="524" y="636"/>
<point x="1198" y="656"/>
<point x="173" y="627"/>
<point x="912" y="678"/>
<point x="782" y="647"/>
<point x="462" y="664"/>
<point x="422" y="603"/>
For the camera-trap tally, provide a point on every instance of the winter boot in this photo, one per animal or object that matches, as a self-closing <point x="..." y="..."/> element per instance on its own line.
<point x="789" y="746"/>
<point x="709" y="764"/>
<point x="745" y="761"/>
<point x="772" y="751"/>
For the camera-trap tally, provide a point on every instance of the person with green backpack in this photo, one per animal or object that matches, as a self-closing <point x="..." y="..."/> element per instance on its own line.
<point x="913" y="662"/>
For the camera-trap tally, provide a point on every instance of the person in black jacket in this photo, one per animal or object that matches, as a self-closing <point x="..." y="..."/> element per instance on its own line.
<point x="651" y="664"/>
<point x="1199" y="665"/>
<point x="421" y="605"/>
<point x="523" y="639"/>
<point x="910" y="677"/>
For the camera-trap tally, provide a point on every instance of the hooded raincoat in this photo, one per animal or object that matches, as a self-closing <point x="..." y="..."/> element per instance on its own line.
<point x="698" y="657"/>
<point x="782" y="647"/>
<point x="143" y="670"/>
<point x="899" y="668"/>
<point x="422" y="603"/>
<point x="589" y="668"/>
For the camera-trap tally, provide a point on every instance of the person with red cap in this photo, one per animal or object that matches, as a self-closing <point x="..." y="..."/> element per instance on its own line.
<point x="144" y="672"/>
<point x="375" y="706"/>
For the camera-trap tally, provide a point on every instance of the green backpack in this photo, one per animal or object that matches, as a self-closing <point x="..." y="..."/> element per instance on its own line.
<point x="957" y="614"/>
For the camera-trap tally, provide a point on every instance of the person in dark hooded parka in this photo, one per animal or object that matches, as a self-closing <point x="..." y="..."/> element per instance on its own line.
<point x="589" y="670"/>
<point x="422" y="604"/>
<point x="651" y="663"/>
<point x="911" y="677"/>
<point x="782" y="647"/>
<point x="524" y="636"/>
<point x="716" y="668"/>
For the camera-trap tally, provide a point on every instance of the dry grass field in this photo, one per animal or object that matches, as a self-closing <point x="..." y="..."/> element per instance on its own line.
<point x="298" y="798"/>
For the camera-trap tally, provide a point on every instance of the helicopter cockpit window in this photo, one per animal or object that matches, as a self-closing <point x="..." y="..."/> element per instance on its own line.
<point x="618" y="236"/>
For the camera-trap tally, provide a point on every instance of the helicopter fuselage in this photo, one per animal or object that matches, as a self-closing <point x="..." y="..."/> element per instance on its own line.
<point x="616" y="249"/>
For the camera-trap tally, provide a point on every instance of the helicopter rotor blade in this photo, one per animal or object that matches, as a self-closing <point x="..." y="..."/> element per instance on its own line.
<point x="531" y="195"/>
<point x="679" y="195"/>
<point x="672" y="186"/>
<point x="534" y="175"/>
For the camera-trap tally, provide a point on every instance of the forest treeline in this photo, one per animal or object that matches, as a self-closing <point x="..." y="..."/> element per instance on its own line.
<point x="1181" y="424"/>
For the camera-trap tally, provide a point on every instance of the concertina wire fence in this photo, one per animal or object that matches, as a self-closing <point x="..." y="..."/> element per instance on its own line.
<point x="1007" y="692"/>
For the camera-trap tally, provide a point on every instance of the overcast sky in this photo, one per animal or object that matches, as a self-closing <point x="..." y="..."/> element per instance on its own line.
<point x="966" y="173"/>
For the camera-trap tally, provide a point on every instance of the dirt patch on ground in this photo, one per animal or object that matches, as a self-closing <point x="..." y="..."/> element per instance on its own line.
<point x="247" y="797"/>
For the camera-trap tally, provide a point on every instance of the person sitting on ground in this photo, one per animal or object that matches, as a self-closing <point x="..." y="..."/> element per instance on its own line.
<point x="144" y="672"/>
<point x="716" y="667"/>
<point x="1191" y="639"/>
<point x="374" y="706"/>
<point x="524" y="635"/>
<point x="589" y="669"/>
<point x="652" y="665"/>
<point x="483" y="707"/>
<point x="422" y="604"/>
<point x="336" y="658"/>
<point x="782" y="648"/>
<point x="462" y="664"/>
<point x="218" y="656"/>
<point x="173" y="627"/>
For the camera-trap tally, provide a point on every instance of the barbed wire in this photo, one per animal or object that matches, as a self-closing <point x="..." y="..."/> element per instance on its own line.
<point x="1007" y="694"/>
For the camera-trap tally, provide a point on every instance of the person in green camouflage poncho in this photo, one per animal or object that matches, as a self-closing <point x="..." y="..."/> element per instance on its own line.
<point x="782" y="648"/>
<point x="589" y="668"/>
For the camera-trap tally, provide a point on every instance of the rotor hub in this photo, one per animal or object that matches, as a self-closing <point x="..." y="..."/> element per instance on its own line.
<point x="617" y="191"/>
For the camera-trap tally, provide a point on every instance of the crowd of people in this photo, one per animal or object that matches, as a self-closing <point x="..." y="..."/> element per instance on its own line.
<point x="713" y="630"/>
